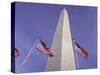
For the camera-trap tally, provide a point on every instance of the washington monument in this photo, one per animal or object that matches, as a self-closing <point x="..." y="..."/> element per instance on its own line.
<point x="62" y="47"/>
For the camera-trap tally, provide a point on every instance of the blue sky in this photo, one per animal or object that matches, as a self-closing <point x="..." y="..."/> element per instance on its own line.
<point x="34" y="21"/>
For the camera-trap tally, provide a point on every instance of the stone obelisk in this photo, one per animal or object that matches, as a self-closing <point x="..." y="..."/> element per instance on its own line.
<point x="62" y="46"/>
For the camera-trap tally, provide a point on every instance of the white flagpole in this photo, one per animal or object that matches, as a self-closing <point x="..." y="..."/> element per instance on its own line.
<point x="76" y="57"/>
<point x="27" y="56"/>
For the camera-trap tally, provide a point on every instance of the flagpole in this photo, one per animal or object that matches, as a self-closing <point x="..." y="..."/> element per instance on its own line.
<point x="77" y="60"/>
<point x="27" y="56"/>
<point x="76" y="57"/>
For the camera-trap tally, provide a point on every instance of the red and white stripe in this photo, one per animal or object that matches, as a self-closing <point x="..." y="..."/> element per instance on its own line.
<point x="82" y="51"/>
<point x="42" y="48"/>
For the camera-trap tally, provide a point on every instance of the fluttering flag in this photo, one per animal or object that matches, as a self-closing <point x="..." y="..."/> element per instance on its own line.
<point x="81" y="50"/>
<point x="40" y="45"/>
<point x="15" y="52"/>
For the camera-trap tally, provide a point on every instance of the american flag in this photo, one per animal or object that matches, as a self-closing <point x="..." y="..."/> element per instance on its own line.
<point x="15" y="52"/>
<point x="40" y="45"/>
<point x="81" y="50"/>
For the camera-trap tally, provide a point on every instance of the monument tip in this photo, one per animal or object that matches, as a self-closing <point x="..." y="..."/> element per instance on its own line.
<point x="64" y="10"/>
